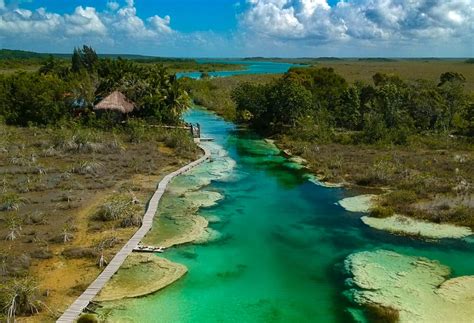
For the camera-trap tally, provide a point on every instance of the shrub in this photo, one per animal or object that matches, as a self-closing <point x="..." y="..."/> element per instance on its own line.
<point x="118" y="208"/>
<point x="11" y="202"/>
<point x="402" y="197"/>
<point x="87" y="318"/>
<point x="20" y="297"/>
<point x="381" y="212"/>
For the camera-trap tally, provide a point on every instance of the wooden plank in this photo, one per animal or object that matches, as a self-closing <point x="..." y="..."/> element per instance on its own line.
<point x="76" y="308"/>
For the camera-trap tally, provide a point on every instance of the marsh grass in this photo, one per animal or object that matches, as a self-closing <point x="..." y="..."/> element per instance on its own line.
<point x="20" y="297"/>
<point x="49" y="177"/>
<point x="122" y="207"/>
<point x="11" y="202"/>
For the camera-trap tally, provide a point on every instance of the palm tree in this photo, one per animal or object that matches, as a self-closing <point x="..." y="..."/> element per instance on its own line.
<point x="176" y="99"/>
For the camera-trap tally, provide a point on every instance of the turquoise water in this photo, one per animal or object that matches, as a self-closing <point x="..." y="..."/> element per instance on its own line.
<point x="251" y="67"/>
<point x="282" y="246"/>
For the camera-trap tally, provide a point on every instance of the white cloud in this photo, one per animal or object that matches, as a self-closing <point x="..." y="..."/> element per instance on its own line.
<point x="113" y="6"/>
<point x="161" y="25"/>
<point x="29" y="23"/>
<point x="84" y="21"/>
<point x="266" y="27"/>
<point x="116" y="25"/>
<point x="316" y="21"/>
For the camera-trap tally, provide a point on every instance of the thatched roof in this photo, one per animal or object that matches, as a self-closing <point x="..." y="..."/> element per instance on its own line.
<point x="115" y="101"/>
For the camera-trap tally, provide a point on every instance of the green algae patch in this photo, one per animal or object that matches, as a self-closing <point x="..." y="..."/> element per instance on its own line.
<point x="141" y="275"/>
<point x="404" y="225"/>
<point x="416" y="287"/>
<point x="360" y="203"/>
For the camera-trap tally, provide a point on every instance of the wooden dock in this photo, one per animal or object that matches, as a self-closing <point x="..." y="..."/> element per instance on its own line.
<point x="76" y="308"/>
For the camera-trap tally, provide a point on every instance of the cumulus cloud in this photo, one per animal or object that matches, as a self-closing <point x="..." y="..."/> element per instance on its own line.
<point x="161" y="25"/>
<point x="25" y="22"/>
<point x="112" y="5"/>
<point x="84" y="21"/>
<point x="316" y="20"/>
<point x="116" y="25"/>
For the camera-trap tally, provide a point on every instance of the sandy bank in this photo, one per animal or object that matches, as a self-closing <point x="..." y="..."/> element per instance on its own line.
<point x="404" y="225"/>
<point x="141" y="274"/>
<point x="400" y="224"/>
<point x="417" y="287"/>
<point x="360" y="203"/>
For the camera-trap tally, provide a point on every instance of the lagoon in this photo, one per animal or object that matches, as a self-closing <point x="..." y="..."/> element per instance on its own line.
<point x="250" y="67"/>
<point x="281" y="243"/>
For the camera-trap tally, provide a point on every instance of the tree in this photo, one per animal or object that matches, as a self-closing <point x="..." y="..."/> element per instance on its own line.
<point x="85" y="58"/>
<point x="348" y="113"/>
<point x="76" y="60"/>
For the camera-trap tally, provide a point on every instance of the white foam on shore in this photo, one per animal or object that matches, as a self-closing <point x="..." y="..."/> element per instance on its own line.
<point x="400" y="224"/>
<point x="417" y="287"/>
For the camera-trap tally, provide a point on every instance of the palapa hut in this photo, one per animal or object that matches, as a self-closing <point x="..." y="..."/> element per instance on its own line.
<point x="117" y="102"/>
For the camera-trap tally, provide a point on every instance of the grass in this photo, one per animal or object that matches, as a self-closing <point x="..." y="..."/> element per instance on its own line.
<point x="53" y="181"/>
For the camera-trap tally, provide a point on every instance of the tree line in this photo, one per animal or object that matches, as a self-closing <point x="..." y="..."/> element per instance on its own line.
<point x="317" y="104"/>
<point x="60" y="90"/>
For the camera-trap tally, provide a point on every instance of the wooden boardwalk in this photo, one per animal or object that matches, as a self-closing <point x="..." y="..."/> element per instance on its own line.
<point x="76" y="308"/>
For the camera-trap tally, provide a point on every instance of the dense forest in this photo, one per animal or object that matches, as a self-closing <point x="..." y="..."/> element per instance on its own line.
<point x="318" y="104"/>
<point x="57" y="91"/>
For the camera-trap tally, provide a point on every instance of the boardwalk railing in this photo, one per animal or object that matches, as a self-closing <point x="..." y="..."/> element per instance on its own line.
<point x="76" y="308"/>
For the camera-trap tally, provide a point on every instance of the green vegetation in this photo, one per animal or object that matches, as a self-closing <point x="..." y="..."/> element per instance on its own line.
<point x="74" y="179"/>
<point x="321" y="101"/>
<point x="410" y="135"/>
<point x="17" y="60"/>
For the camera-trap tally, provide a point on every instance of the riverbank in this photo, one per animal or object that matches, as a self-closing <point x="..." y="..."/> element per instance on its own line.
<point x="422" y="183"/>
<point x="276" y="231"/>
<point x="56" y="184"/>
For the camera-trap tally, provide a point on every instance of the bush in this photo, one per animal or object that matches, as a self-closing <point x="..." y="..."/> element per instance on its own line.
<point x="20" y="297"/>
<point x="118" y="208"/>
<point x="381" y="212"/>
<point x="402" y="197"/>
<point x="87" y="318"/>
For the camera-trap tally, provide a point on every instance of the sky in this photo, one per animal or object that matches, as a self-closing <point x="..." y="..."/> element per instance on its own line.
<point x="242" y="28"/>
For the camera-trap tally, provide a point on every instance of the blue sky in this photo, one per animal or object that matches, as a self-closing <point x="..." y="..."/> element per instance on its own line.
<point x="236" y="28"/>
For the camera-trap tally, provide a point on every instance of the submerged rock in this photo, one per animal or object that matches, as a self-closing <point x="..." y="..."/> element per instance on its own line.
<point x="408" y="226"/>
<point x="416" y="287"/>
<point x="141" y="274"/>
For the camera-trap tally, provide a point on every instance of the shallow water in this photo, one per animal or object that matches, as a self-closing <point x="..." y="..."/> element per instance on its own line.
<point x="283" y="242"/>
<point x="250" y="67"/>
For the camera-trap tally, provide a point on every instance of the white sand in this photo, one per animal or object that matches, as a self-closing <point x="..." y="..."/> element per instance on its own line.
<point x="408" y="226"/>
<point x="417" y="287"/>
